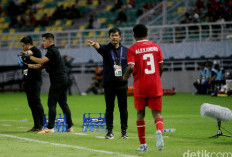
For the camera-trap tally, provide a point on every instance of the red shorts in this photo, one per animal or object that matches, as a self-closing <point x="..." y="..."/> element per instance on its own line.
<point x="154" y="103"/>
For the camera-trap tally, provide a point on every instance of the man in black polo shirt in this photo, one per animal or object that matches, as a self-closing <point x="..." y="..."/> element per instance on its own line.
<point x="114" y="66"/>
<point x="32" y="84"/>
<point x="54" y="65"/>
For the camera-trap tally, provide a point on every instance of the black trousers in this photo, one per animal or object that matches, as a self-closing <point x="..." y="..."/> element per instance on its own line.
<point x="198" y="87"/>
<point x="58" y="93"/>
<point x="110" y="94"/>
<point x="32" y="90"/>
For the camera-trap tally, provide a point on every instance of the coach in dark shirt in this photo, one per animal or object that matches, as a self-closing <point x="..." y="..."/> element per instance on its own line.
<point x="54" y="65"/>
<point x="114" y="66"/>
<point x="32" y="84"/>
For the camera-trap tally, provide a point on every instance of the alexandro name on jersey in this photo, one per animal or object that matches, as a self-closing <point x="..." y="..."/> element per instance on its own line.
<point x="147" y="49"/>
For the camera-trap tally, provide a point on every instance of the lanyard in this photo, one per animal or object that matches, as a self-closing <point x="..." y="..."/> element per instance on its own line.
<point x="114" y="59"/>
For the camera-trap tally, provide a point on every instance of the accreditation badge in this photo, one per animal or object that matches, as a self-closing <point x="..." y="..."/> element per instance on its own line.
<point x="117" y="70"/>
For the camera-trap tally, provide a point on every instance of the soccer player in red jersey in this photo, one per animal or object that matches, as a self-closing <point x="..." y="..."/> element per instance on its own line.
<point x="145" y="61"/>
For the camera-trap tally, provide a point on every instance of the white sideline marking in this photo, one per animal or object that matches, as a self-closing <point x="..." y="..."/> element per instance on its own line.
<point x="2" y="120"/>
<point x="193" y="115"/>
<point x="82" y="134"/>
<point x="69" y="146"/>
<point x="149" y="137"/>
<point x="6" y="125"/>
<point x="102" y="137"/>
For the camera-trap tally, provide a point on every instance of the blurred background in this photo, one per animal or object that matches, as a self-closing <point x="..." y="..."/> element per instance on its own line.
<point x="189" y="32"/>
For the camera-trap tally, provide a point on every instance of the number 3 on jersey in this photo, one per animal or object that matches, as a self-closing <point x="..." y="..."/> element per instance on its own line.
<point x="149" y="58"/>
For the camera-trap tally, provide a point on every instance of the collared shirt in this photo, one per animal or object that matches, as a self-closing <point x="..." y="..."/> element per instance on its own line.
<point x="109" y="79"/>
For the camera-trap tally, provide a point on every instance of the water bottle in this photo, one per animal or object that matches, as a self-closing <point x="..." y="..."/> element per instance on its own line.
<point x="102" y="129"/>
<point x="58" y="126"/>
<point x="85" y="128"/>
<point x="96" y="128"/>
<point x="91" y="128"/>
<point x="170" y="130"/>
<point x="55" y="128"/>
<point x="65" y="127"/>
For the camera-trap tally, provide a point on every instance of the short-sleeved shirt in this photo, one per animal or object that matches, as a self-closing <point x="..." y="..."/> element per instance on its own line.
<point x="55" y="66"/>
<point x="34" y="74"/>
<point x="208" y="73"/>
<point x="146" y="56"/>
<point x="109" y="78"/>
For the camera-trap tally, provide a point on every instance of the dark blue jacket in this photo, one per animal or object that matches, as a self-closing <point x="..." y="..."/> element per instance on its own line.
<point x="109" y="79"/>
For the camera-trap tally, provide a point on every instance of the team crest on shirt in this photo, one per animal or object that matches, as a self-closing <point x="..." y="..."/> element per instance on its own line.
<point x="147" y="49"/>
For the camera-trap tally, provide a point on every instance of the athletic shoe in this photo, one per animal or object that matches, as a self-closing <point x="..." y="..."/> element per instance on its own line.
<point x="83" y="94"/>
<point x="143" y="147"/>
<point x="109" y="135"/>
<point x="70" y="129"/>
<point x="124" y="134"/>
<point x="32" y="130"/>
<point x="46" y="131"/>
<point x="159" y="140"/>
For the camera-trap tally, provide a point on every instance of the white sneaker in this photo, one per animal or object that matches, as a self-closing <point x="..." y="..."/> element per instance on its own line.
<point x="143" y="147"/>
<point x="83" y="94"/>
<point x="159" y="140"/>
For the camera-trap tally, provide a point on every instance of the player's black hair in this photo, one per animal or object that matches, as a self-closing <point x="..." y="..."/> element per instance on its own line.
<point x="216" y="66"/>
<point x="114" y="30"/>
<point x="209" y="63"/>
<point x="27" y="40"/>
<point x="48" y="36"/>
<point x="140" y="31"/>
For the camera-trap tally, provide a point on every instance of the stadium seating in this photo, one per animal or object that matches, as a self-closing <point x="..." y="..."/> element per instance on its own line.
<point x="175" y="13"/>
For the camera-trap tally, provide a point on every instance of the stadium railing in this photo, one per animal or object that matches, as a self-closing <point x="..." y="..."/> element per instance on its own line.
<point x="160" y="34"/>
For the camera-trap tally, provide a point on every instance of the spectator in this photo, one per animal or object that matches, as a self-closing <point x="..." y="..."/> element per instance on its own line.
<point x="89" y="2"/>
<point x="13" y="21"/>
<point x="148" y="6"/>
<point x="199" y="4"/>
<point x="44" y="21"/>
<point x="221" y="20"/>
<point x="131" y="4"/>
<point x="187" y="18"/>
<point x="118" y="4"/>
<point x="75" y="13"/>
<point x="34" y="7"/>
<point x="96" y="22"/>
<point x="1" y="10"/>
<point x="121" y="18"/>
<point x="33" y="21"/>
<point x="90" y="24"/>
<point x="195" y="17"/>
<point x="139" y="12"/>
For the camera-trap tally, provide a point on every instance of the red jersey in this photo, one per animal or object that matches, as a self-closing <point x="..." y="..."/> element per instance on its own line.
<point x="146" y="56"/>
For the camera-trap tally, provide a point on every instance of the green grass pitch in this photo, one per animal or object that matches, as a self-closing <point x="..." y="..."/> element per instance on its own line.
<point x="181" y="111"/>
